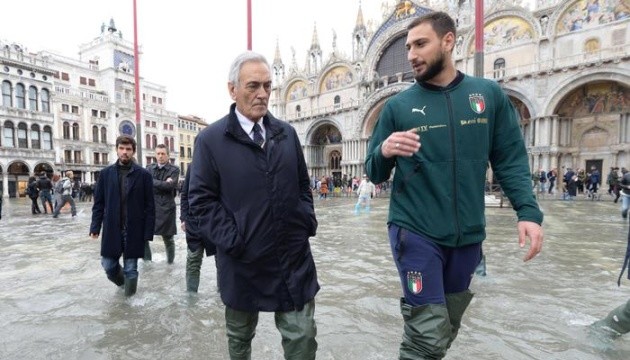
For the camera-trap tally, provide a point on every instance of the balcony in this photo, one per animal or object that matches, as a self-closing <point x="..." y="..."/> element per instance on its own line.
<point x="323" y="111"/>
<point x="577" y="61"/>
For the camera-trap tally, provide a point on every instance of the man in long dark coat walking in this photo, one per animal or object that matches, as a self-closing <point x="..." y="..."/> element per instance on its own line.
<point x="124" y="206"/>
<point x="165" y="180"/>
<point x="250" y="196"/>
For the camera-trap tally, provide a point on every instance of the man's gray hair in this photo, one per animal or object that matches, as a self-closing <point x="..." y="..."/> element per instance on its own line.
<point x="237" y="64"/>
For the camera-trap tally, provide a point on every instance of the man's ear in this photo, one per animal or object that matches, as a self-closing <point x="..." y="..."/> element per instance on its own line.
<point x="232" y="90"/>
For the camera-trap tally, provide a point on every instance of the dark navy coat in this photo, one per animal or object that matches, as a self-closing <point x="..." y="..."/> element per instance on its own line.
<point x="193" y="239"/>
<point x="164" y="193"/>
<point x="140" y="212"/>
<point x="256" y="206"/>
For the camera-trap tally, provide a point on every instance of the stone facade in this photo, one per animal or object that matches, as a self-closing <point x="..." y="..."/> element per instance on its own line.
<point x="565" y="66"/>
<point x="59" y="113"/>
<point x="189" y="126"/>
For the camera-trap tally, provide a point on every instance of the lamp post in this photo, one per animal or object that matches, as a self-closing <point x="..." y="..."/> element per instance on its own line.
<point x="479" y="38"/>
<point x="249" y="24"/>
<point x="136" y="72"/>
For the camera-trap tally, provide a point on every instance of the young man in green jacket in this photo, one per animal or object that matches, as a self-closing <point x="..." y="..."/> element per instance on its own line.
<point x="436" y="216"/>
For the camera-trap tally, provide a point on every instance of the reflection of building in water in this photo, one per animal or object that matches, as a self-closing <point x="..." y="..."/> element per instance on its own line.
<point x="565" y="66"/>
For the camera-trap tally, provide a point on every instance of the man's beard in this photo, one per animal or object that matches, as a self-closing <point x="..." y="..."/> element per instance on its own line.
<point x="125" y="161"/>
<point x="432" y="70"/>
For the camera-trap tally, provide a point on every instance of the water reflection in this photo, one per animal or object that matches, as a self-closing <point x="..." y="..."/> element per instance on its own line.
<point x="57" y="303"/>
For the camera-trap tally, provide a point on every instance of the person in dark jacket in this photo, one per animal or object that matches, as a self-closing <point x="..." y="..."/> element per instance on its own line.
<point x="436" y="221"/>
<point x="249" y="195"/>
<point x="45" y="192"/>
<point x="125" y="208"/>
<point x="194" y="258"/>
<point x="165" y="180"/>
<point x="33" y="193"/>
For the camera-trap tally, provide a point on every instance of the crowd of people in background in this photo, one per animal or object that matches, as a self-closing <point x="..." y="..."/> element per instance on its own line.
<point x="53" y="190"/>
<point x="345" y="186"/>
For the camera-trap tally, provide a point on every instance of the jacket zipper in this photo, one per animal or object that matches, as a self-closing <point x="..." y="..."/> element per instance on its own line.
<point x="454" y="149"/>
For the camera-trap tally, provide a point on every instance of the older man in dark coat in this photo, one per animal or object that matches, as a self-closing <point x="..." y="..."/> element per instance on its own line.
<point x="165" y="180"/>
<point x="250" y="195"/>
<point x="125" y="208"/>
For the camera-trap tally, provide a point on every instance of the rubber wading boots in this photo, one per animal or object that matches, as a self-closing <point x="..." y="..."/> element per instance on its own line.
<point x="169" y="244"/>
<point x="616" y="323"/>
<point x="130" y="286"/>
<point x="118" y="279"/>
<point x="427" y="331"/>
<point x="456" y="304"/>
<point x="192" y="282"/>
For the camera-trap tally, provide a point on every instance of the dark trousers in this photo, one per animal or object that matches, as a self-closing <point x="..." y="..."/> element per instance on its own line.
<point x="427" y="270"/>
<point x="35" y="206"/>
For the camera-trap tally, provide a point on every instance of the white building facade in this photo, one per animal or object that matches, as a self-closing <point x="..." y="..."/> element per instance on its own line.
<point x="58" y="113"/>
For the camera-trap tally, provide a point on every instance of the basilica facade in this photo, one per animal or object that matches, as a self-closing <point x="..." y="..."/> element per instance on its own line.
<point x="565" y="66"/>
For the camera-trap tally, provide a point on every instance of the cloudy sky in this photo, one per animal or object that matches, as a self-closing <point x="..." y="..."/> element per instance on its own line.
<point x="187" y="45"/>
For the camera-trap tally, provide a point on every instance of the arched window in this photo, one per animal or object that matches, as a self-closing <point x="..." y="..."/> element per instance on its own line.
<point x="147" y="140"/>
<point x="499" y="68"/>
<point x="7" y="94"/>
<point x="75" y="131"/>
<point x="172" y="144"/>
<point x="154" y="137"/>
<point x="335" y="160"/>
<point x="35" y="142"/>
<point x="337" y="102"/>
<point x="95" y="133"/>
<point x="32" y="98"/>
<point x="394" y="61"/>
<point x="166" y="142"/>
<point x="45" y="97"/>
<point x="104" y="135"/>
<point x="47" y="138"/>
<point x="9" y="134"/>
<point x="22" y="139"/>
<point x="66" y="130"/>
<point x="20" y="96"/>
<point x="298" y="110"/>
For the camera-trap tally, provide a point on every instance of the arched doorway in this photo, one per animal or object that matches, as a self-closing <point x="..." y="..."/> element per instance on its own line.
<point x="18" y="173"/>
<point x="325" y="151"/>
<point x="43" y="167"/>
<point x="593" y="126"/>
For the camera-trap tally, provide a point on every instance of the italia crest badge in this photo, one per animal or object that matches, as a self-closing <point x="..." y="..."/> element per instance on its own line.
<point x="477" y="103"/>
<point x="414" y="282"/>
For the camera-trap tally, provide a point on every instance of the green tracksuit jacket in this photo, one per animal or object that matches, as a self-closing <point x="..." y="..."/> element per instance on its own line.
<point x="439" y="191"/>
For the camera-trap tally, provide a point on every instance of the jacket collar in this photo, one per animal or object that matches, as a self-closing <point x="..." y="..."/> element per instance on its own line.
<point x="233" y="127"/>
<point x="458" y="79"/>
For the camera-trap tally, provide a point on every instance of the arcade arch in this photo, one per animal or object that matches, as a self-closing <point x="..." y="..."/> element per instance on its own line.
<point x="590" y="126"/>
<point x="17" y="178"/>
<point x="323" y="149"/>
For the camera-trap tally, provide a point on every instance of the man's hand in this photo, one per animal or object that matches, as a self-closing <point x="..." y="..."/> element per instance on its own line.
<point x="94" y="236"/>
<point x="183" y="226"/>
<point x="535" y="234"/>
<point x="169" y="180"/>
<point x="402" y="143"/>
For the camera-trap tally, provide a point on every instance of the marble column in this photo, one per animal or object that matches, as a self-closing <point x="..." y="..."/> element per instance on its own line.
<point x="5" y="184"/>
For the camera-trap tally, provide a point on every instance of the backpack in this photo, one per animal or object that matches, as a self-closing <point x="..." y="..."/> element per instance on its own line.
<point x="59" y="187"/>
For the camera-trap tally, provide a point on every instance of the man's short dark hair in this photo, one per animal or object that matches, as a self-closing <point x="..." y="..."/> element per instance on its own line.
<point x="126" y="140"/>
<point x="162" y="146"/>
<point x="441" y="22"/>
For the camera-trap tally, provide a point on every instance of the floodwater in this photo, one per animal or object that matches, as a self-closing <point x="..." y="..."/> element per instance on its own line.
<point x="56" y="303"/>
